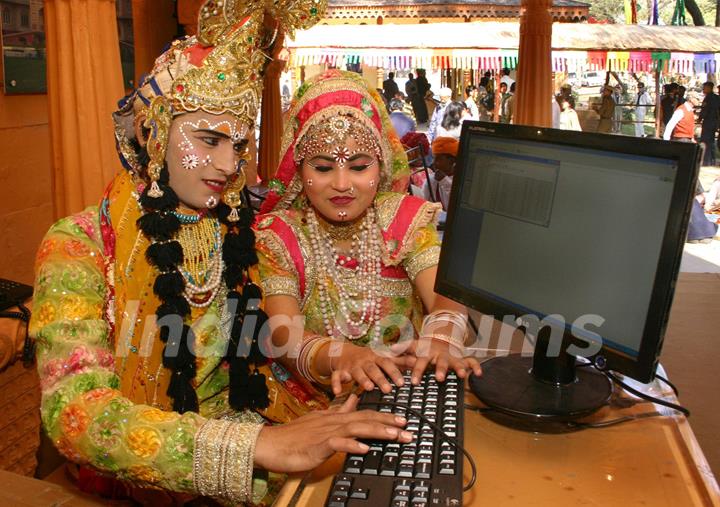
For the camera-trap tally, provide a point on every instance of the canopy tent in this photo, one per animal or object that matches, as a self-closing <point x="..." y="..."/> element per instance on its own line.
<point x="494" y="45"/>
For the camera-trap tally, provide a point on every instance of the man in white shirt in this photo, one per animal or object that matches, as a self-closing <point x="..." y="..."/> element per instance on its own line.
<point x="642" y="103"/>
<point x="506" y="78"/>
<point x="555" y="113"/>
<point x="471" y="92"/>
<point x="681" y="126"/>
<point x="445" y="151"/>
<point x="439" y="113"/>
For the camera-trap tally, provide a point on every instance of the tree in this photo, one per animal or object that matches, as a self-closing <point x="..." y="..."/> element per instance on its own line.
<point x="695" y="12"/>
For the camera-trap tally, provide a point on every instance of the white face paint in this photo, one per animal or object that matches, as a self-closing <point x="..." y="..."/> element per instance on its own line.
<point x="202" y="156"/>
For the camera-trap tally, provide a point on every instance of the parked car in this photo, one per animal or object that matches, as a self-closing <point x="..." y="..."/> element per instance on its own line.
<point x="593" y="78"/>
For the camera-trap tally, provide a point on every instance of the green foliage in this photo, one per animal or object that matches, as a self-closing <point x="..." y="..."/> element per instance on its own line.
<point x="614" y="10"/>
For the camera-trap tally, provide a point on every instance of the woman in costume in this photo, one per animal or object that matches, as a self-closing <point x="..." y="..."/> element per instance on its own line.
<point x="146" y="318"/>
<point x="343" y="245"/>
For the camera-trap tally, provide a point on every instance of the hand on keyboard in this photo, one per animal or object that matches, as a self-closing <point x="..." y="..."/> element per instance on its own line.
<point x="423" y="352"/>
<point x="367" y="367"/>
<point x="308" y="441"/>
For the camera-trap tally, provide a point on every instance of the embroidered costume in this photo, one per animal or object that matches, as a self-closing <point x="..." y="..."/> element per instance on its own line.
<point x="367" y="295"/>
<point x="121" y="397"/>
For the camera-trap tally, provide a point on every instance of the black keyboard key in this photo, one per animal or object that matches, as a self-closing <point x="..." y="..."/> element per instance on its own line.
<point x="422" y="470"/>
<point x="372" y="463"/>
<point x="337" y="501"/>
<point x="400" y="503"/>
<point x="405" y="470"/>
<point x="420" y="497"/>
<point x="389" y="465"/>
<point x="354" y="465"/>
<point x="340" y="490"/>
<point x="446" y="469"/>
<point x="401" y="494"/>
<point x="403" y="485"/>
<point x="343" y="480"/>
<point x="421" y="486"/>
<point x="359" y="493"/>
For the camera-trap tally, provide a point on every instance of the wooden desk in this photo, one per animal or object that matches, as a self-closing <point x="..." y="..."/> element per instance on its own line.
<point x="653" y="462"/>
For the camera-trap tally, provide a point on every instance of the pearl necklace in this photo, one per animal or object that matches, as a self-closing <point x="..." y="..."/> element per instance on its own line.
<point x="199" y="249"/>
<point x="365" y="303"/>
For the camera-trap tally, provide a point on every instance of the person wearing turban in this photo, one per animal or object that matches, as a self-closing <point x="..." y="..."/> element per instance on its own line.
<point x="148" y="324"/>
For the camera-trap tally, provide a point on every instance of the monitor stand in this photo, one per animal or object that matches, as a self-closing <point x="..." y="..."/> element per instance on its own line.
<point x="541" y="388"/>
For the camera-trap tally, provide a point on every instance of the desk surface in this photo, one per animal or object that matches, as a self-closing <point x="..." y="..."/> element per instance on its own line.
<point x="654" y="462"/>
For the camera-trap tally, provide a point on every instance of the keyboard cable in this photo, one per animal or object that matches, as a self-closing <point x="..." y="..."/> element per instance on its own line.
<point x="437" y="429"/>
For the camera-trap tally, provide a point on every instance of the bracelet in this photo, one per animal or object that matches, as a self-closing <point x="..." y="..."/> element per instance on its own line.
<point x="446" y="338"/>
<point x="456" y="319"/>
<point x="306" y="359"/>
<point x="223" y="459"/>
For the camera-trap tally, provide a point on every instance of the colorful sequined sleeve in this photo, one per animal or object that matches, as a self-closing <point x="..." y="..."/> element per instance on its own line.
<point x="424" y="252"/>
<point x="276" y="271"/>
<point x="85" y="414"/>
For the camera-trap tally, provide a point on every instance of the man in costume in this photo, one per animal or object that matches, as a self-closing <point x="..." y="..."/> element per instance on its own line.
<point x="345" y="247"/>
<point x="147" y="321"/>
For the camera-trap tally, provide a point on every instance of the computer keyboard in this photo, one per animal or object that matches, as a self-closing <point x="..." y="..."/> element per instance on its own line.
<point x="424" y="472"/>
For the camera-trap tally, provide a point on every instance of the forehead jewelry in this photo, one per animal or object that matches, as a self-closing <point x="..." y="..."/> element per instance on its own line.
<point x="329" y="136"/>
<point x="190" y="161"/>
<point x="225" y="127"/>
<point x="211" y="202"/>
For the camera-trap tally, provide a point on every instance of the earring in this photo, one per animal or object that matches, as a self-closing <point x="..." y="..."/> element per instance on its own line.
<point x="158" y="120"/>
<point x="211" y="202"/>
<point x="232" y="196"/>
<point x="190" y="162"/>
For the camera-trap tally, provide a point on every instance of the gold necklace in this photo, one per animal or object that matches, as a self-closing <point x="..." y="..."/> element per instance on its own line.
<point x="201" y="245"/>
<point x="340" y="232"/>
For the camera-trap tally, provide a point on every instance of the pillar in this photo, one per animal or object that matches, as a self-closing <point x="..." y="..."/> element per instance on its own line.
<point x="154" y="27"/>
<point x="534" y="76"/>
<point x="187" y="13"/>
<point x="84" y="79"/>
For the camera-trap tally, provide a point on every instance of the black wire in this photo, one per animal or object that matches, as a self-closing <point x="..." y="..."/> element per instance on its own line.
<point x="667" y="382"/>
<point x="644" y="396"/>
<point x="437" y="429"/>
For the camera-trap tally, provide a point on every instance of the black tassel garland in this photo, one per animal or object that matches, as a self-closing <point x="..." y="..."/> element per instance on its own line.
<point x="258" y="390"/>
<point x="168" y="285"/>
<point x="160" y="225"/>
<point x="165" y="256"/>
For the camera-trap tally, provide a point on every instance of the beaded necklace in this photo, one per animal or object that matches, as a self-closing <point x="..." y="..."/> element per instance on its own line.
<point x="202" y="265"/>
<point x="356" y="313"/>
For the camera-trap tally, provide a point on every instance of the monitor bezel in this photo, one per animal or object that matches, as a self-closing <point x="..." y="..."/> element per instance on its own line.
<point x="687" y="156"/>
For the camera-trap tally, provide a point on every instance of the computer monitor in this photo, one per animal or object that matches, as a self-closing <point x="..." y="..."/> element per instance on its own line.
<point x="578" y="234"/>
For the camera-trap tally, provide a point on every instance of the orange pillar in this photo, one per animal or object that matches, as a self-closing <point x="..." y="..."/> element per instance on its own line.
<point x="154" y="26"/>
<point x="84" y="79"/>
<point x="534" y="76"/>
<point x="187" y="12"/>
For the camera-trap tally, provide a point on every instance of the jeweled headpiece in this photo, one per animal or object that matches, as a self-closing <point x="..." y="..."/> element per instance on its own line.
<point x="329" y="137"/>
<point x="326" y="110"/>
<point x="219" y="70"/>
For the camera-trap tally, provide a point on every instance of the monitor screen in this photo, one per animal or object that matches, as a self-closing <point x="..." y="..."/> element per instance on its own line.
<point x="570" y="232"/>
